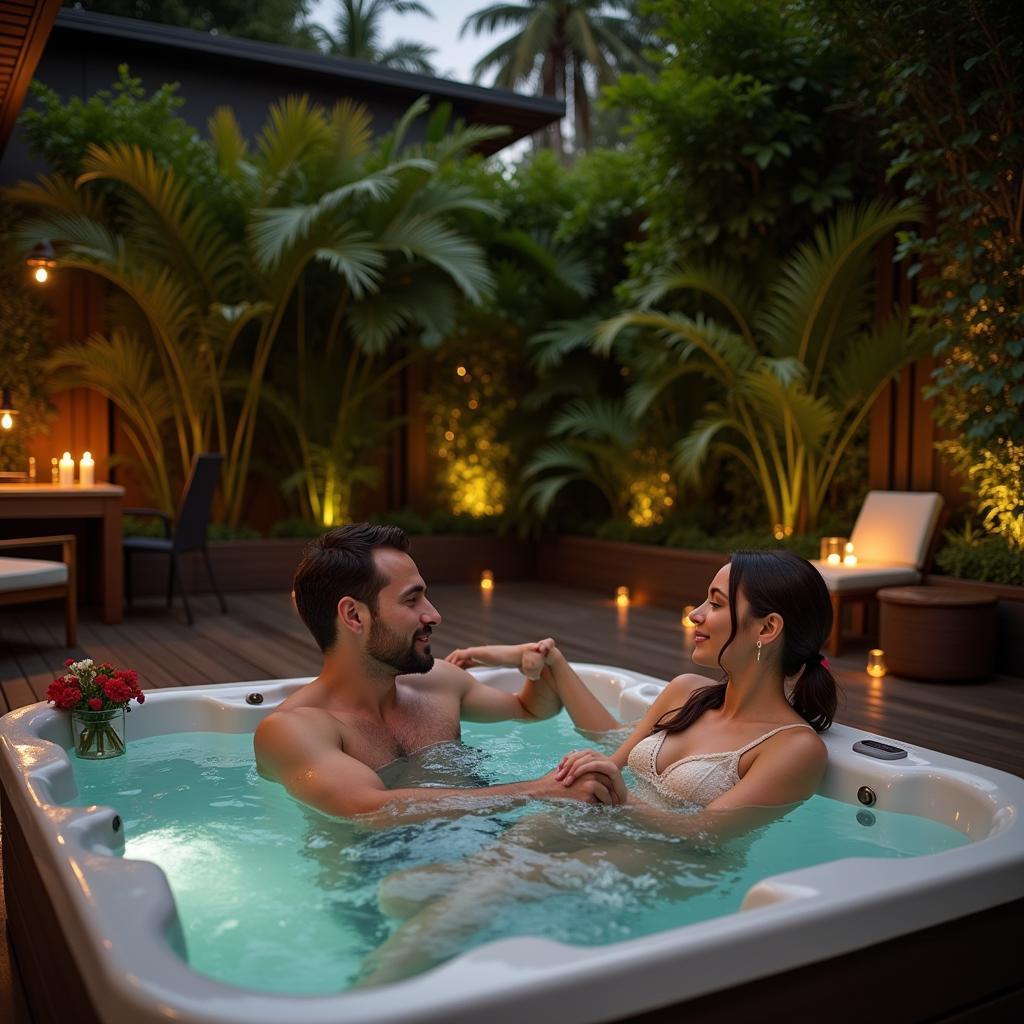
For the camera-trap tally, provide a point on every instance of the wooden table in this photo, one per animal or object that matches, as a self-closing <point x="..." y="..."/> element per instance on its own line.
<point x="100" y="501"/>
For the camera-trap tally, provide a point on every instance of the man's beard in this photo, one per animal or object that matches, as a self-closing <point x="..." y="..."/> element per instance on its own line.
<point x="392" y="649"/>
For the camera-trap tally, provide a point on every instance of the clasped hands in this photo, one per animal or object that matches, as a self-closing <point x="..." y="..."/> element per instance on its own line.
<point x="530" y="659"/>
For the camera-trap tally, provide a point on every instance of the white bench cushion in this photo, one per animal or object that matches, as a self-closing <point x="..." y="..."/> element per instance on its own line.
<point x="895" y="527"/>
<point x="30" y="573"/>
<point x="842" y="578"/>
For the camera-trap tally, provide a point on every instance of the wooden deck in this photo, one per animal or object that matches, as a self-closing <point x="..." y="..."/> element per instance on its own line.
<point x="263" y="638"/>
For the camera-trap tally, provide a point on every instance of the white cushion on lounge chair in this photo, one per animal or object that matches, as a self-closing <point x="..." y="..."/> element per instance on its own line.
<point x="30" y="573"/>
<point x="842" y="578"/>
<point x="895" y="528"/>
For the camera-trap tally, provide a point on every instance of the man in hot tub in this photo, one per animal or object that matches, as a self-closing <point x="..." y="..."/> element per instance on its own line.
<point x="381" y="695"/>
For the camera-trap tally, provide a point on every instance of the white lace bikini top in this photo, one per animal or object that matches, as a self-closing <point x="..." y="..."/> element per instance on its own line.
<point x="694" y="780"/>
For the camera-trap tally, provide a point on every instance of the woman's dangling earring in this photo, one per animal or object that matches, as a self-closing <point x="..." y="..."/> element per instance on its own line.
<point x="758" y="650"/>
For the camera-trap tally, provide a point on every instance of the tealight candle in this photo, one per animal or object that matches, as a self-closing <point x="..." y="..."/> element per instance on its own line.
<point x="876" y="663"/>
<point x="487" y="580"/>
<point x="832" y="550"/>
<point x="66" y="470"/>
<point x="87" y="470"/>
<point x="622" y="597"/>
<point x="849" y="558"/>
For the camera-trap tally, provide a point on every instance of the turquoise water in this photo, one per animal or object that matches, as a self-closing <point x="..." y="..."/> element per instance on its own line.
<point x="276" y="897"/>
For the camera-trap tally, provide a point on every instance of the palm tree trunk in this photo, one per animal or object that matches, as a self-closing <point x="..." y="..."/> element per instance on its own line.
<point x="581" y="106"/>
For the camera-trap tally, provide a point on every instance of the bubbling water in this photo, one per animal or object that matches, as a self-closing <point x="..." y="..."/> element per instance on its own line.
<point x="277" y="897"/>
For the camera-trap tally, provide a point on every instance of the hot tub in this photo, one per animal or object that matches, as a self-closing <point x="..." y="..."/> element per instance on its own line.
<point x="97" y="937"/>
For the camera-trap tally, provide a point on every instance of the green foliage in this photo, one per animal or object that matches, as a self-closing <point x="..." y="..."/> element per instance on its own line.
<point x="358" y="31"/>
<point x="740" y="141"/>
<point x="973" y="555"/>
<point x="370" y="226"/>
<point x="25" y="324"/>
<point x="273" y="21"/>
<point x="945" y="85"/>
<point x="695" y="539"/>
<point x="796" y="372"/>
<point x="439" y="522"/>
<point x="61" y="132"/>
<point x="296" y="527"/>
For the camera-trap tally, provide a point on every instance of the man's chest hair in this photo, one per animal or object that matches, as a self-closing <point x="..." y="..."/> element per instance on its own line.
<point x="418" y="721"/>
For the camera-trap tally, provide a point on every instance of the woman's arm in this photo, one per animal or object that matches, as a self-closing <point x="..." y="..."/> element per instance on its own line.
<point x="675" y="695"/>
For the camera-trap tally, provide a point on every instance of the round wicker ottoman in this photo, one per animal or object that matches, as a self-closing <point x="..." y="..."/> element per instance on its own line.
<point x="937" y="633"/>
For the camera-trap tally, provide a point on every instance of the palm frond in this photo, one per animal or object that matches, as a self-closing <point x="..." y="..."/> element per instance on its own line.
<point x="551" y="346"/>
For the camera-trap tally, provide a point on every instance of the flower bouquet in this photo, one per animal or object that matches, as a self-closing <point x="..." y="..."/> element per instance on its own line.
<point x="97" y="697"/>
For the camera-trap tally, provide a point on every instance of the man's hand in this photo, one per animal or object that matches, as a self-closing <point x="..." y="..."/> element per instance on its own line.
<point x="594" y="787"/>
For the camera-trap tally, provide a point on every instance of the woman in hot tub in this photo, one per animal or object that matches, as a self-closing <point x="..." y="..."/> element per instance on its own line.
<point x="733" y="754"/>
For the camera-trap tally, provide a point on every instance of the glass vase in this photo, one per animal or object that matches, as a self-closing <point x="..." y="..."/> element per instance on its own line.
<point x="98" y="734"/>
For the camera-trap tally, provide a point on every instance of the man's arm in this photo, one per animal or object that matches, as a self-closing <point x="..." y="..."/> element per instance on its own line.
<point x="301" y="752"/>
<point x="536" y="699"/>
<point x="550" y="685"/>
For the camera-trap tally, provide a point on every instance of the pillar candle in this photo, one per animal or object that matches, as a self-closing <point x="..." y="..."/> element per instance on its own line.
<point x="66" y="468"/>
<point x="87" y="470"/>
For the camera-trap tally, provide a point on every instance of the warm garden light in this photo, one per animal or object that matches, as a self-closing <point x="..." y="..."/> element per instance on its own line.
<point x="42" y="259"/>
<point x="686" y="621"/>
<point x="622" y="597"/>
<point x="487" y="580"/>
<point x="876" y="663"/>
<point x="7" y="410"/>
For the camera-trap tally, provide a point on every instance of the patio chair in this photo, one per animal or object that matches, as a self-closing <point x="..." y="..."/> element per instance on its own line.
<point x="33" y="579"/>
<point x="188" y="533"/>
<point x="892" y="539"/>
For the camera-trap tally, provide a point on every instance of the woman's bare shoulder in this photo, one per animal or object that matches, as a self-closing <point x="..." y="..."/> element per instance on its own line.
<point x="685" y="684"/>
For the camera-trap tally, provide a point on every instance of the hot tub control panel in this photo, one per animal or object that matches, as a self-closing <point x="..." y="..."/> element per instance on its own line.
<point x="883" y="751"/>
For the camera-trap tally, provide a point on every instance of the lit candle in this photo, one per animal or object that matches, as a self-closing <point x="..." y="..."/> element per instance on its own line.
<point x="833" y="559"/>
<point x="876" y="663"/>
<point x="66" y="470"/>
<point x="849" y="558"/>
<point x="832" y="550"/>
<point x="487" y="580"/>
<point x="622" y="597"/>
<point x="87" y="470"/>
<point x="687" y="622"/>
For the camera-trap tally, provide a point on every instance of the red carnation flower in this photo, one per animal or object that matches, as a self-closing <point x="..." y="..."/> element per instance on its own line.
<point x="96" y="704"/>
<point x="69" y="662"/>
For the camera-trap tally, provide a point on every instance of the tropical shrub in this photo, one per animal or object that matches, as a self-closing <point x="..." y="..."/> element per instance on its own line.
<point x="212" y="303"/>
<point x="25" y="325"/>
<point x="975" y="555"/>
<point x="741" y="144"/>
<point x="796" y="371"/>
<point x="943" y="83"/>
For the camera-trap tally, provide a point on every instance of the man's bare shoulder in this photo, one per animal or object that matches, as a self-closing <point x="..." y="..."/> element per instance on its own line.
<point x="290" y="734"/>
<point x="442" y="677"/>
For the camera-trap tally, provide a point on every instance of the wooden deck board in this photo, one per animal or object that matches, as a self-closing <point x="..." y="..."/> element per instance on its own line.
<point x="262" y="637"/>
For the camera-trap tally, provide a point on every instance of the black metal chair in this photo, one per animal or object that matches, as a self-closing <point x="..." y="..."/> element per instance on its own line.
<point x="188" y="533"/>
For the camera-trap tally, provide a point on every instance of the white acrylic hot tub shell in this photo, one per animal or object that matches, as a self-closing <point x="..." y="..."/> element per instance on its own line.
<point x="119" y="916"/>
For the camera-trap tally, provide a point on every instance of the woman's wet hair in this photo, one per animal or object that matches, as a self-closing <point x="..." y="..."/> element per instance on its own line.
<point x="784" y="583"/>
<point x="337" y="564"/>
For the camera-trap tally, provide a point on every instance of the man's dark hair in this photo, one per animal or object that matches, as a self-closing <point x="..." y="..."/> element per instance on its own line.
<point x="338" y="564"/>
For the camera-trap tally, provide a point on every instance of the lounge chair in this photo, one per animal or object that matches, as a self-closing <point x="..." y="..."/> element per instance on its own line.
<point x="34" y="579"/>
<point x="188" y="533"/>
<point x="892" y="540"/>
